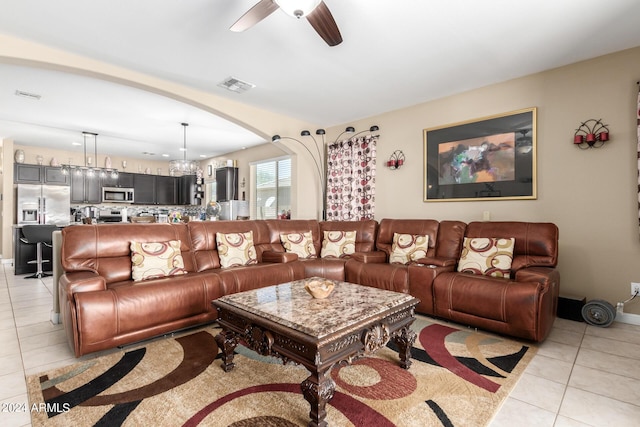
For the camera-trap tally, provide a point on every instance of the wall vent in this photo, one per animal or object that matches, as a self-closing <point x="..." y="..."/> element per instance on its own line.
<point x="236" y="85"/>
<point x="28" y="95"/>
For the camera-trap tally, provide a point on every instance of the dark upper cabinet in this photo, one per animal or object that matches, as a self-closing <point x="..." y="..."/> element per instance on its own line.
<point x="27" y="174"/>
<point x="191" y="190"/>
<point x="54" y="175"/>
<point x="187" y="184"/>
<point x="124" y="180"/>
<point x="145" y="189"/>
<point x="155" y="189"/>
<point x="166" y="190"/>
<point x="85" y="189"/>
<point x="38" y="174"/>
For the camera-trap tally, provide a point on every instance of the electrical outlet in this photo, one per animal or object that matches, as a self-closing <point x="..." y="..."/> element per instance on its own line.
<point x="635" y="288"/>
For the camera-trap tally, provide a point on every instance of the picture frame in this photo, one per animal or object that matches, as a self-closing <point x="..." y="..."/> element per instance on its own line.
<point x="490" y="158"/>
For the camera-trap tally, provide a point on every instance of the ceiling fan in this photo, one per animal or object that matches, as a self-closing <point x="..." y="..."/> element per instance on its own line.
<point x="316" y="12"/>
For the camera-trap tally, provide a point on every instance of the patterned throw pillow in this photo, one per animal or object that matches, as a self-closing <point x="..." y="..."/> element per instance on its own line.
<point x="487" y="256"/>
<point x="338" y="244"/>
<point x="408" y="247"/>
<point x="299" y="243"/>
<point x="150" y="260"/>
<point x="236" y="249"/>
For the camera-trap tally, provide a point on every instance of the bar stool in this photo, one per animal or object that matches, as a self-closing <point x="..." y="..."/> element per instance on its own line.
<point x="38" y="235"/>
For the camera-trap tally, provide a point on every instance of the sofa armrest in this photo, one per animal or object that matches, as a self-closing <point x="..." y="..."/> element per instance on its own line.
<point x="544" y="275"/>
<point x="377" y="257"/>
<point x="279" y="257"/>
<point x="82" y="281"/>
<point x="437" y="262"/>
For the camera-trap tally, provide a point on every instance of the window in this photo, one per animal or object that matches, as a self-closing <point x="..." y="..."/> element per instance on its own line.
<point x="273" y="189"/>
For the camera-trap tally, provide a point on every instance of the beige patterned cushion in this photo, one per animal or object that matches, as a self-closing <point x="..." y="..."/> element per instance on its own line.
<point x="408" y="247"/>
<point x="236" y="249"/>
<point x="338" y="244"/>
<point x="487" y="256"/>
<point x="299" y="243"/>
<point x="150" y="260"/>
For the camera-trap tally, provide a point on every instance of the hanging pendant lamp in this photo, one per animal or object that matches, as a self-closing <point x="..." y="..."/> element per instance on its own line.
<point x="183" y="166"/>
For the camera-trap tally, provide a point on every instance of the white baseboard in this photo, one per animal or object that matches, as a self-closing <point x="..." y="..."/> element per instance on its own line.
<point x="55" y="318"/>
<point x="7" y="261"/>
<point x="631" y="319"/>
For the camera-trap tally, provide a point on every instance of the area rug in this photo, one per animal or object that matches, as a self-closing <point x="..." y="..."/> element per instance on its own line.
<point x="459" y="377"/>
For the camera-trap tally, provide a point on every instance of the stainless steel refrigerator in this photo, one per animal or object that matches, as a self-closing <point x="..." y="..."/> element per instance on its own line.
<point x="43" y="204"/>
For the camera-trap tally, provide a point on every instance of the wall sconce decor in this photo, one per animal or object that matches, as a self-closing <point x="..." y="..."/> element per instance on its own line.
<point x="591" y="134"/>
<point x="396" y="160"/>
<point x="210" y="170"/>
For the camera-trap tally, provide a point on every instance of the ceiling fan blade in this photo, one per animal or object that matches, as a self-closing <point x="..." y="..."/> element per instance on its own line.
<point x="254" y="15"/>
<point x="322" y="21"/>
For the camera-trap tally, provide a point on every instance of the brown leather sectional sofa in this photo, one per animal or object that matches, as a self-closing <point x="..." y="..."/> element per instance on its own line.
<point x="102" y="307"/>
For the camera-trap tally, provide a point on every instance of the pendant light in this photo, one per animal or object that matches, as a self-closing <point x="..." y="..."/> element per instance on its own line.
<point x="88" y="169"/>
<point x="183" y="166"/>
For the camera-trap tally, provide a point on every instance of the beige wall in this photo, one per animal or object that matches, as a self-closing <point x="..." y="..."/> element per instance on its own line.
<point x="7" y="199"/>
<point x="589" y="194"/>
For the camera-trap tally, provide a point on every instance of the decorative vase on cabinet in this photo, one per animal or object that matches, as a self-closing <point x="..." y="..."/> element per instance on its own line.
<point x="19" y="156"/>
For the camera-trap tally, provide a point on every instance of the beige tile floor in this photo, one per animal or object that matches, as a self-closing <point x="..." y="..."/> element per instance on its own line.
<point x="581" y="376"/>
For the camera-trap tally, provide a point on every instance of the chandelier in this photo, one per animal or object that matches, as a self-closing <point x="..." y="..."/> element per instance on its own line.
<point x="183" y="166"/>
<point x="89" y="170"/>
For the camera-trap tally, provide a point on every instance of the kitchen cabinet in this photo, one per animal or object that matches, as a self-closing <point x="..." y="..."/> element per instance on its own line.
<point x="85" y="189"/>
<point x="155" y="190"/>
<point x="124" y="180"/>
<point x="54" y="175"/>
<point x="39" y="174"/>
<point x="166" y="190"/>
<point x="145" y="189"/>
<point x="191" y="190"/>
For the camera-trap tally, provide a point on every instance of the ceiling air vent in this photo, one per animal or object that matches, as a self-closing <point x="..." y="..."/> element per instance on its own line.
<point x="236" y="85"/>
<point x="28" y="95"/>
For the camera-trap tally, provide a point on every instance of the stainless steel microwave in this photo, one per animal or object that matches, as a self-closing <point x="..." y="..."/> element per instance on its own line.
<point x="117" y="195"/>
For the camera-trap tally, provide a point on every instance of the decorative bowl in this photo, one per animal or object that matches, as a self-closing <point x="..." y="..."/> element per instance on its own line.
<point x="319" y="288"/>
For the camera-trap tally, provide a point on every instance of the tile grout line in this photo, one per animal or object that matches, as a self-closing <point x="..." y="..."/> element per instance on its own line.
<point x="566" y="386"/>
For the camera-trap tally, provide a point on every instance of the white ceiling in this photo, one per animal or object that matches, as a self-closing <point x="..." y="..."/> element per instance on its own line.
<point x="394" y="54"/>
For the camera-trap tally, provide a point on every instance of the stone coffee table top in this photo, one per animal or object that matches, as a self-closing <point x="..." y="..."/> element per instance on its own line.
<point x="289" y="304"/>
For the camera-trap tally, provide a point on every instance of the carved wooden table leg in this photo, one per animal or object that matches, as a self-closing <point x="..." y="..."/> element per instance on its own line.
<point x="227" y="341"/>
<point x="318" y="390"/>
<point x="404" y="339"/>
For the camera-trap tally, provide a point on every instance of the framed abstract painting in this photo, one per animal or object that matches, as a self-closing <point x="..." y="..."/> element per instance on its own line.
<point x="491" y="158"/>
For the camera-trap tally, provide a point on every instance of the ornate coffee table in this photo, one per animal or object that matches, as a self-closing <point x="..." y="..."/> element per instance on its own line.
<point x="286" y="322"/>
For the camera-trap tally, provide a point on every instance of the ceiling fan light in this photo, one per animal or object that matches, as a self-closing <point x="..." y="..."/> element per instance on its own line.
<point x="298" y="8"/>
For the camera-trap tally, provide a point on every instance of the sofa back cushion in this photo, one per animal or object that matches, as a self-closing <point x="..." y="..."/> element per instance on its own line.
<point x="299" y="243"/>
<point x="278" y="227"/>
<point x="536" y="243"/>
<point x="204" y="244"/>
<point x="450" y="238"/>
<point x="365" y="232"/>
<point x="106" y="248"/>
<point x="422" y="227"/>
